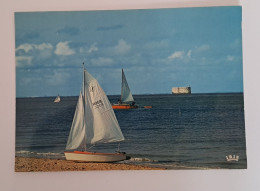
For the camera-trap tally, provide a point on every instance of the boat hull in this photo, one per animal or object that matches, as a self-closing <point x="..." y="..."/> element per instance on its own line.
<point x="94" y="157"/>
<point x="124" y="106"/>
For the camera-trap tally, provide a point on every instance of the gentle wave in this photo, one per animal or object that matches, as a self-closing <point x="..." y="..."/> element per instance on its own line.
<point x="39" y="154"/>
<point x="142" y="160"/>
<point x="195" y="131"/>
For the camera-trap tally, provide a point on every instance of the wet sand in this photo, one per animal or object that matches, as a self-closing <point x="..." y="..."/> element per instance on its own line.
<point x="23" y="164"/>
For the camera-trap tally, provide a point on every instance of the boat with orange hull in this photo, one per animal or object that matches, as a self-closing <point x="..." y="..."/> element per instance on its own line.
<point x="124" y="106"/>
<point x="126" y="100"/>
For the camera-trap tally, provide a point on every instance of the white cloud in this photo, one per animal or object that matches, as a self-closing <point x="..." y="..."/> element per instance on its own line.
<point x="28" y="47"/>
<point x="122" y="47"/>
<point x="187" y="56"/>
<point x="32" y="52"/>
<point x="102" y="61"/>
<point x="62" y="48"/>
<point x="176" y="55"/>
<point x="189" y="53"/>
<point x="44" y="46"/>
<point x="93" y="48"/>
<point x="196" y="50"/>
<point x="90" y="49"/>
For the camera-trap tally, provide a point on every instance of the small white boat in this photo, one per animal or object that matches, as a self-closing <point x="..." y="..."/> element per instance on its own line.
<point x="57" y="99"/>
<point x="94" y="122"/>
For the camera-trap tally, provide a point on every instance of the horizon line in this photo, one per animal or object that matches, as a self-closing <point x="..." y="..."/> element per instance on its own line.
<point x="135" y="94"/>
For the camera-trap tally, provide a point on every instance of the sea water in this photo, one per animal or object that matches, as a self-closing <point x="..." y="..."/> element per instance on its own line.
<point x="194" y="131"/>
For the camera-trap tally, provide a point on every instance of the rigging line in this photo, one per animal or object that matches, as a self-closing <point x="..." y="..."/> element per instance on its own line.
<point x="83" y="99"/>
<point x="122" y="85"/>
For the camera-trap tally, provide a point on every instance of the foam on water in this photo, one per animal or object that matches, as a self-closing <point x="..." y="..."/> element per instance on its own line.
<point x="142" y="160"/>
<point x="39" y="154"/>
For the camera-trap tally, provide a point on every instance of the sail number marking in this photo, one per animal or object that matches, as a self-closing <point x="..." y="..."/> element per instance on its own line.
<point x="97" y="104"/>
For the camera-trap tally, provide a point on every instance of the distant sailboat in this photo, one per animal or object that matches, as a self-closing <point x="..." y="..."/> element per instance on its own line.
<point x="126" y="100"/>
<point x="57" y="99"/>
<point x="94" y="122"/>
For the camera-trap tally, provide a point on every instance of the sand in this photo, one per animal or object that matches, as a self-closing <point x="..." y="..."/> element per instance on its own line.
<point x="23" y="164"/>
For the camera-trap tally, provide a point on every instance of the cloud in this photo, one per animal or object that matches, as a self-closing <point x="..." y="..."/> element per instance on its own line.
<point x="31" y="55"/>
<point x="122" y="47"/>
<point x="102" y="61"/>
<point x="197" y="49"/>
<point x="22" y="61"/>
<point x="69" y="30"/>
<point x="44" y="46"/>
<point x="30" y="47"/>
<point x="176" y="55"/>
<point x="189" y="53"/>
<point x="93" y="48"/>
<point x="106" y="28"/>
<point x="89" y="50"/>
<point x="62" y="48"/>
<point x="26" y="47"/>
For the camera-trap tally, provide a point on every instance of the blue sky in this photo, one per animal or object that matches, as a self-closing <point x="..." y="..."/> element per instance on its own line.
<point x="158" y="49"/>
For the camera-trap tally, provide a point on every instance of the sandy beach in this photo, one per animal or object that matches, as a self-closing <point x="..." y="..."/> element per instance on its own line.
<point x="46" y="165"/>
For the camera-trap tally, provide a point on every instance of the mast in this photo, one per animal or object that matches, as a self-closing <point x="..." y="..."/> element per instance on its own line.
<point x="83" y="96"/>
<point x="83" y="76"/>
<point x="122" y="85"/>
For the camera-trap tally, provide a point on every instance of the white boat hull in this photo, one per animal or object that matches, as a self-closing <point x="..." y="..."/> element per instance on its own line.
<point x="94" y="157"/>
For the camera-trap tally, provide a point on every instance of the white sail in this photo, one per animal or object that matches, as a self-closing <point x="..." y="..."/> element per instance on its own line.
<point x="126" y="95"/>
<point x="101" y="123"/>
<point x="57" y="99"/>
<point x="77" y="133"/>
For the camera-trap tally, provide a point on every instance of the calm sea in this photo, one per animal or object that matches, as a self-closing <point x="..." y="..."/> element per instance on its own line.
<point x="184" y="131"/>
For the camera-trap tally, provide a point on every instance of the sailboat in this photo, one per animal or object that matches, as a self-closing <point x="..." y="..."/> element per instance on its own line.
<point x="57" y="99"/>
<point x="94" y="122"/>
<point x="126" y="100"/>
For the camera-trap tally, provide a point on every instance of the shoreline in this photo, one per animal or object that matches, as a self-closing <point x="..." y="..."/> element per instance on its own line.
<point x="26" y="164"/>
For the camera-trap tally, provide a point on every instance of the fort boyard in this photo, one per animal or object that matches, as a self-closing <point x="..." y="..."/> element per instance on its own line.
<point x="181" y="90"/>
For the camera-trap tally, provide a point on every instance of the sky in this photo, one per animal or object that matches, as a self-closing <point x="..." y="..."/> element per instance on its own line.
<point x="157" y="48"/>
